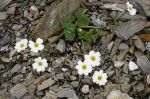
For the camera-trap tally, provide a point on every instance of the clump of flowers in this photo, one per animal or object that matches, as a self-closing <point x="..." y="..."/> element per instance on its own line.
<point x="91" y="60"/>
<point x="36" y="46"/>
<point x="21" y="45"/>
<point x="39" y="63"/>
<point x="130" y="8"/>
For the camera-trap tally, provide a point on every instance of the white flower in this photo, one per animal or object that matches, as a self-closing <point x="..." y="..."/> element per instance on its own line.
<point x="130" y="8"/>
<point x="22" y="45"/>
<point x="99" y="77"/>
<point x="36" y="46"/>
<point x="93" y="58"/>
<point x="40" y="64"/>
<point x="83" y="68"/>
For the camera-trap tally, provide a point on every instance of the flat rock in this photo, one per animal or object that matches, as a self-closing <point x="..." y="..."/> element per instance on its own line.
<point x="18" y="91"/>
<point x="16" y="68"/>
<point x="61" y="46"/>
<point x="45" y="84"/>
<point x="17" y="27"/>
<point x="125" y="31"/>
<point x="139" y="87"/>
<point x="67" y="93"/>
<point x="132" y="66"/>
<point x="117" y="94"/>
<point x="126" y="87"/>
<point x="123" y="46"/>
<point x="5" y="40"/>
<point x="144" y="64"/>
<point x="11" y="9"/>
<point x="3" y="3"/>
<point x="3" y="15"/>
<point x="139" y="44"/>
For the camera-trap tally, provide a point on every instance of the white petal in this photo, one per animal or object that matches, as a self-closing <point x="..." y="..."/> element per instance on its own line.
<point x="132" y="66"/>
<point x="39" y="40"/>
<point x="31" y="44"/>
<point x="41" y="47"/>
<point x="132" y="12"/>
<point x="34" y="65"/>
<point x="91" y="53"/>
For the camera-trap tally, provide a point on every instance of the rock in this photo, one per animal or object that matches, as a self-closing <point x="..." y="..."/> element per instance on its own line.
<point x="45" y="84"/>
<point x="75" y="84"/>
<point x="125" y="68"/>
<point x="3" y="15"/>
<point x="5" y="40"/>
<point x="67" y="93"/>
<point x="124" y="79"/>
<point x="125" y="32"/>
<point x="132" y="66"/>
<point x="118" y="63"/>
<point x="148" y="79"/>
<point x="139" y="44"/>
<point x="17" y="78"/>
<point x="85" y="89"/>
<point x="126" y="87"/>
<point x="144" y="64"/>
<point x="3" y="3"/>
<point x="99" y="23"/>
<point x="61" y="46"/>
<point x="126" y="16"/>
<point x="92" y="0"/>
<point x="16" y="68"/>
<point x="117" y="94"/>
<point x="11" y="9"/>
<point x="148" y="46"/>
<point x="11" y="54"/>
<point x="18" y="91"/>
<point x="123" y="46"/>
<point x="17" y="27"/>
<point x="51" y="95"/>
<point x="33" y="9"/>
<point x="139" y="87"/>
<point x="110" y="45"/>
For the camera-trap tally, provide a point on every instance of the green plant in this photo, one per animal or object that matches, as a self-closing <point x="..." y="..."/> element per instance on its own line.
<point x="79" y="23"/>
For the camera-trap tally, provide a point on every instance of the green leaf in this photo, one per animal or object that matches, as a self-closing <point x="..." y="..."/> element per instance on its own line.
<point x="68" y="27"/>
<point x="83" y="35"/>
<point x="82" y="19"/>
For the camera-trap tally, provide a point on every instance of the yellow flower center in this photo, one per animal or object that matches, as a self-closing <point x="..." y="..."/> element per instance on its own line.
<point x="40" y="64"/>
<point x="93" y="58"/>
<point x="130" y="7"/>
<point x="115" y="97"/>
<point x="36" y="45"/>
<point x="22" y="45"/>
<point x="84" y="67"/>
<point x="99" y="77"/>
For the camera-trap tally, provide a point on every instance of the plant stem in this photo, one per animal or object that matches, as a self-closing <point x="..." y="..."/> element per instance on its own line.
<point x="90" y="27"/>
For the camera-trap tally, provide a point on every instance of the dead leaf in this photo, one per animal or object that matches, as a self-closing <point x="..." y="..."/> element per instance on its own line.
<point x="145" y="37"/>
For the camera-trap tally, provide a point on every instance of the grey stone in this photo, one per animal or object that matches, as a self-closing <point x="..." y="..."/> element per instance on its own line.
<point x="148" y="79"/>
<point x="126" y="87"/>
<point x="139" y="87"/>
<point x="75" y="84"/>
<point x="67" y="93"/>
<point x="124" y="79"/>
<point x="139" y="44"/>
<point x="123" y="46"/>
<point x="16" y="68"/>
<point x="17" y="78"/>
<point x="99" y="23"/>
<point x="17" y="27"/>
<point x="125" y="31"/>
<point x="148" y="46"/>
<point x="61" y="46"/>
<point x="144" y="64"/>
<point x="3" y="15"/>
<point x="45" y="84"/>
<point x="18" y="91"/>
<point x="11" y="9"/>
<point x="3" y="3"/>
<point x="117" y="94"/>
<point x="5" y="40"/>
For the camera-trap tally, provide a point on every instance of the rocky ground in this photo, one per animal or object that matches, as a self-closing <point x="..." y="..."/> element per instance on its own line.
<point x="127" y="40"/>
